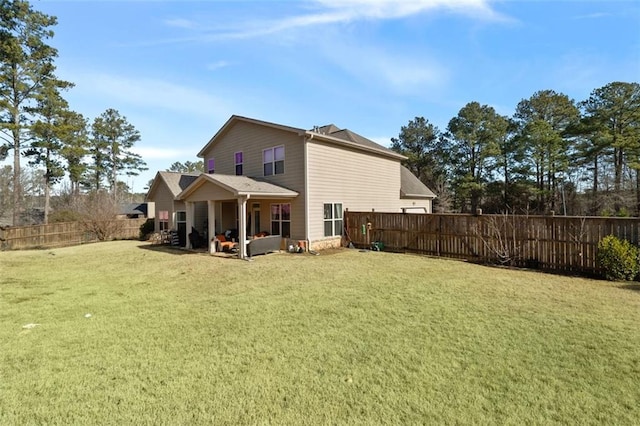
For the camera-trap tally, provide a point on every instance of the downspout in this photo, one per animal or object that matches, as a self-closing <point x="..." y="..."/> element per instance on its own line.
<point x="306" y="191"/>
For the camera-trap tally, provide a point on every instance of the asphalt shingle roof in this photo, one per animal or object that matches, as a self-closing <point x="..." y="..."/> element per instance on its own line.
<point x="349" y="136"/>
<point x="178" y="182"/>
<point x="245" y="184"/>
<point x="412" y="187"/>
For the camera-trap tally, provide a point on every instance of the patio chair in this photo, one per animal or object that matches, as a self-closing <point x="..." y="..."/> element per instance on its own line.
<point x="224" y="244"/>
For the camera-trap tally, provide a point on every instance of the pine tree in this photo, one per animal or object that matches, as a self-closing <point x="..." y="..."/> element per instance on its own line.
<point x="113" y="138"/>
<point x="476" y="133"/>
<point x="47" y="132"/>
<point x="25" y="68"/>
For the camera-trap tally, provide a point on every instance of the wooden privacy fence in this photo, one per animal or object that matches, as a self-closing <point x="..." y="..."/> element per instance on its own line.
<point x="64" y="234"/>
<point x="557" y="243"/>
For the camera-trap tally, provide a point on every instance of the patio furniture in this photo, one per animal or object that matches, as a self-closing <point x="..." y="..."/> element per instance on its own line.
<point x="224" y="245"/>
<point x="197" y="240"/>
<point x="263" y="245"/>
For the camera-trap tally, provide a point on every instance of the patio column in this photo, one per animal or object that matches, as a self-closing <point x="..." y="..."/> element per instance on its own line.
<point x="242" y="223"/>
<point x="211" y="218"/>
<point x="190" y="213"/>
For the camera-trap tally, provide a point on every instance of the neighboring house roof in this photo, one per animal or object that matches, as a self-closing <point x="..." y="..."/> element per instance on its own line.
<point x="134" y="208"/>
<point x="412" y="187"/>
<point x="239" y="186"/>
<point x="176" y="182"/>
<point x="329" y="133"/>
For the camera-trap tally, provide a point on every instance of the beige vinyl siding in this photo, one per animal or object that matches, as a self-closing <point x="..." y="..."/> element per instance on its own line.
<point x="200" y="217"/>
<point x="360" y="181"/>
<point x="209" y="191"/>
<point x="163" y="198"/>
<point x="252" y="139"/>
<point x="228" y="216"/>
<point x="416" y="205"/>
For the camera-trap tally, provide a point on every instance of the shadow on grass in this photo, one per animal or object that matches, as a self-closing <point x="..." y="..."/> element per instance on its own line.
<point x="169" y="249"/>
<point x="182" y="251"/>
<point x="632" y="287"/>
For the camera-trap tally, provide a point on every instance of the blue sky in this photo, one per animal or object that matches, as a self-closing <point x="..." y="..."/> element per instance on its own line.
<point x="179" y="69"/>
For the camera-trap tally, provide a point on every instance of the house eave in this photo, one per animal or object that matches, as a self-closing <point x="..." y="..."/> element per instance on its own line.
<point x="250" y="194"/>
<point x="417" y="197"/>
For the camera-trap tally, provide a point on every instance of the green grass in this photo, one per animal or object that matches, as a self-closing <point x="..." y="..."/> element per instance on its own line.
<point x="342" y="338"/>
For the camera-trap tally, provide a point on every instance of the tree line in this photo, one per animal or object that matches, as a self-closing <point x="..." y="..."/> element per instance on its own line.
<point x="38" y="125"/>
<point x="553" y="155"/>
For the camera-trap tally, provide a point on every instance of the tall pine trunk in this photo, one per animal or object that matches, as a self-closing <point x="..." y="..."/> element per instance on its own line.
<point x="47" y="196"/>
<point x="17" y="182"/>
<point x="594" y="201"/>
<point x="637" y="192"/>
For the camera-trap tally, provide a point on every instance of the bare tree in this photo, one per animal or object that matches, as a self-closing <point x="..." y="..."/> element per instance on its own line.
<point x="98" y="211"/>
<point x="500" y="237"/>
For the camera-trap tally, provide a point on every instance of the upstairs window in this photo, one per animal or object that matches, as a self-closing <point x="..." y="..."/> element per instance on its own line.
<point x="239" y="163"/>
<point x="273" y="161"/>
<point x="211" y="165"/>
<point x="332" y="219"/>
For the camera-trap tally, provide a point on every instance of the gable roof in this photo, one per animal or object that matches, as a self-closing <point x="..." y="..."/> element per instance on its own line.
<point x="239" y="186"/>
<point x="237" y="118"/>
<point x="412" y="187"/>
<point x="346" y="135"/>
<point x="176" y="182"/>
<point x="329" y="133"/>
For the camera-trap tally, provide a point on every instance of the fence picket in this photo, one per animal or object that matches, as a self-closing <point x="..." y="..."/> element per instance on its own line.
<point x="559" y="243"/>
<point x="61" y="234"/>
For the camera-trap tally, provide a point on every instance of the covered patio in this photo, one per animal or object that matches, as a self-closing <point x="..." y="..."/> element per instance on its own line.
<point x="219" y="191"/>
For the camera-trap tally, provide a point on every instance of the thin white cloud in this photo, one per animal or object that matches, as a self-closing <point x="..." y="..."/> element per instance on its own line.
<point x="328" y="12"/>
<point x="398" y="71"/>
<point x="394" y="9"/>
<point x="181" y="23"/>
<point x="594" y="16"/>
<point x="217" y="65"/>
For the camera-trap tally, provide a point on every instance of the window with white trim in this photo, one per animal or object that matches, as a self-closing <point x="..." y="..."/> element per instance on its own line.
<point x="332" y="219"/>
<point x="211" y="165"/>
<point x="281" y="220"/>
<point x="273" y="161"/>
<point x="239" y="163"/>
<point x="163" y="220"/>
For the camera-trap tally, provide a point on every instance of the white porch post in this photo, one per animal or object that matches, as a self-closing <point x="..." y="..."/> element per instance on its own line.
<point x="242" y="222"/>
<point x="190" y="213"/>
<point x="211" y="218"/>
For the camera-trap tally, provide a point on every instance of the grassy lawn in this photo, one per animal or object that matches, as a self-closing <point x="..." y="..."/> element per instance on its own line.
<point x="342" y="338"/>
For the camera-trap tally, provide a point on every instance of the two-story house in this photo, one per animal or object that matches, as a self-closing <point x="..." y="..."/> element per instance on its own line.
<point x="287" y="181"/>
